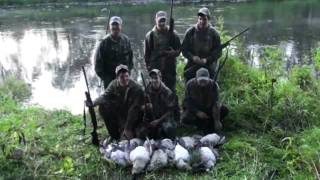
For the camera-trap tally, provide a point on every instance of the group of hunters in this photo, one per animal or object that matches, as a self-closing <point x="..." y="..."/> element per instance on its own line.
<point x="129" y="110"/>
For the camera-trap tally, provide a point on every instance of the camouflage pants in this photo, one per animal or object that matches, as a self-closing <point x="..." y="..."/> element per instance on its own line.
<point x="115" y="120"/>
<point x="170" y="82"/>
<point x="205" y="125"/>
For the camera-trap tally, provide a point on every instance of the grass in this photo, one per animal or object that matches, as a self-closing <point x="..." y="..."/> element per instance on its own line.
<point x="37" y="143"/>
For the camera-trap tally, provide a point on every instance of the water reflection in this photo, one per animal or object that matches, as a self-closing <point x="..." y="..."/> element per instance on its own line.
<point x="49" y="59"/>
<point x="49" y="54"/>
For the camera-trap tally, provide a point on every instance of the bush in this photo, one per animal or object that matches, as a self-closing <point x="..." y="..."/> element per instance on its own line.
<point x="15" y="89"/>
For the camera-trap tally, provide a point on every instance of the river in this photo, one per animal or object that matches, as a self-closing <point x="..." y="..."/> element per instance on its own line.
<point x="47" y="45"/>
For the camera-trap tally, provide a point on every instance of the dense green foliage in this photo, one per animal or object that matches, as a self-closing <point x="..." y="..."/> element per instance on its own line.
<point x="272" y="132"/>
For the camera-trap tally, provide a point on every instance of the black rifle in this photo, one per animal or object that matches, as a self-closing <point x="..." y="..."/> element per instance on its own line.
<point x="221" y="47"/>
<point x="171" y="28"/>
<point x="94" y="134"/>
<point x="147" y="98"/>
<point x="162" y="54"/>
<point x="171" y="24"/>
<point x="107" y="28"/>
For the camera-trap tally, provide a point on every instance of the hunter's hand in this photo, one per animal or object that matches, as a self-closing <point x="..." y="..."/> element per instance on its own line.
<point x="202" y="115"/>
<point x="170" y="52"/>
<point x="196" y="59"/>
<point x="154" y="123"/>
<point x="89" y="104"/>
<point x="203" y="61"/>
<point x="149" y="106"/>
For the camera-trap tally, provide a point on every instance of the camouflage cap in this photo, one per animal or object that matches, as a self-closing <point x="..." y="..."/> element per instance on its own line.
<point x="202" y="73"/>
<point x="115" y="19"/>
<point x="155" y="71"/>
<point x="121" y="68"/>
<point x="160" y="15"/>
<point x="204" y="11"/>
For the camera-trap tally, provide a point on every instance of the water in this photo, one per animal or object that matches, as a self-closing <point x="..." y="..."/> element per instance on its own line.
<point x="47" y="45"/>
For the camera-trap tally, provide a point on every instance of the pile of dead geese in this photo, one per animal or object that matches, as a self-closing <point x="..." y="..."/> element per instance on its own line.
<point x="195" y="153"/>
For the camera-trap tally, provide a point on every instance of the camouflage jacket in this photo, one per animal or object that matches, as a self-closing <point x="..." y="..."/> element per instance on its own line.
<point x="155" y="44"/>
<point x="110" y="53"/>
<point x="126" y="102"/>
<point x="199" y="98"/>
<point x="202" y="43"/>
<point x="162" y="100"/>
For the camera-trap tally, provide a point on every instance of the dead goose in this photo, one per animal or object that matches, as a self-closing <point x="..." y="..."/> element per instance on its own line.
<point x="168" y="146"/>
<point x="106" y="151"/>
<point x="212" y="140"/>
<point x="120" y="155"/>
<point x="167" y="143"/>
<point x="187" y="142"/>
<point x="139" y="157"/>
<point x="182" y="157"/>
<point x="202" y="158"/>
<point x="158" y="160"/>
<point x="208" y="159"/>
<point x="135" y="142"/>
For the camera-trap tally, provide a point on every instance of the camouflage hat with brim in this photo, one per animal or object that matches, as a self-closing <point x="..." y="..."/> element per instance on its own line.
<point x="161" y="15"/>
<point x="121" y="68"/>
<point x="202" y="74"/>
<point x="115" y="19"/>
<point x="156" y="72"/>
<point x="204" y="12"/>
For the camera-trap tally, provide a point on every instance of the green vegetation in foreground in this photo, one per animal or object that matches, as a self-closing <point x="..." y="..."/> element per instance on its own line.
<point x="281" y="141"/>
<point x="272" y="131"/>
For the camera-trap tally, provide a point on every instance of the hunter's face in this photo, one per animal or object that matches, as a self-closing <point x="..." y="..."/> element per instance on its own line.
<point x="123" y="79"/>
<point x="203" y="81"/>
<point x="115" y="29"/>
<point x="161" y="23"/>
<point x="155" y="81"/>
<point x="202" y="22"/>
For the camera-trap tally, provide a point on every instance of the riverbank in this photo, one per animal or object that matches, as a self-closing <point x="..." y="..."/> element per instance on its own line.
<point x="272" y="131"/>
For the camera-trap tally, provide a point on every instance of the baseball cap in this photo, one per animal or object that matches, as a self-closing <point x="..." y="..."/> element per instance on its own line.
<point x="155" y="71"/>
<point x="160" y="15"/>
<point x="204" y="11"/>
<point x="115" y="19"/>
<point x="202" y="73"/>
<point x="122" y="68"/>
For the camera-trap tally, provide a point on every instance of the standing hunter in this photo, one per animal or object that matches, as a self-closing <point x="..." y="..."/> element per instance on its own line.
<point x="113" y="50"/>
<point x="162" y="47"/>
<point x="201" y="46"/>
